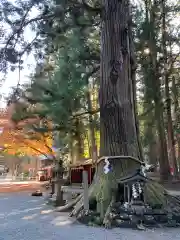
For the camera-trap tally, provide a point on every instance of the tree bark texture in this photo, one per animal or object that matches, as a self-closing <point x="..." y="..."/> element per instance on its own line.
<point x="176" y="114"/>
<point x="118" y="129"/>
<point x="93" y="153"/>
<point x="157" y="96"/>
<point x="117" y="111"/>
<point x="170" y="130"/>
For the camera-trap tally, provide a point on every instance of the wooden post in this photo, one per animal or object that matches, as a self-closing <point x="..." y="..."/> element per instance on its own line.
<point x="85" y="190"/>
<point x="129" y="197"/>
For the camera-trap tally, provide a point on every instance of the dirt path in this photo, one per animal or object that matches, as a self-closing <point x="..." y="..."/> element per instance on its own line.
<point x="7" y="188"/>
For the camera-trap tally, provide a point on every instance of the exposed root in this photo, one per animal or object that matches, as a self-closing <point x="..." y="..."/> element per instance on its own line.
<point x="173" y="204"/>
<point x="79" y="204"/>
<point x="155" y="194"/>
<point x="77" y="210"/>
<point x="155" y="208"/>
<point x="69" y="205"/>
<point x="107" y="218"/>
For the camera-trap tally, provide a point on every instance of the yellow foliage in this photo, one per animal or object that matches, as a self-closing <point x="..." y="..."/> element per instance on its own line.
<point x="87" y="143"/>
<point x="15" y="142"/>
<point x="94" y="97"/>
<point x="86" y="148"/>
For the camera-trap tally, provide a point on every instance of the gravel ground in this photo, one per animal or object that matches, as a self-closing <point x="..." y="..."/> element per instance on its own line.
<point x="23" y="217"/>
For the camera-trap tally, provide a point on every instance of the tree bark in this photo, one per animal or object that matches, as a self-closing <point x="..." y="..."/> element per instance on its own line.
<point x="167" y="94"/>
<point x="78" y="149"/>
<point x="93" y="152"/>
<point x="176" y="114"/>
<point x="118" y="129"/>
<point x="117" y="112"/>
<point x="157" y="96"/>
<point x="150" y="141"/>
<point x="59" y="182"/>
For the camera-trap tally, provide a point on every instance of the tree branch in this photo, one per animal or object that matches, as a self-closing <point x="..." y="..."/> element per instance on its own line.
<point x="18" y="30"/>
<point x="96" y="10"/>
<point x="20" y="138"/>
<point x="141" y="116"/>
<point x="63" y="128"/>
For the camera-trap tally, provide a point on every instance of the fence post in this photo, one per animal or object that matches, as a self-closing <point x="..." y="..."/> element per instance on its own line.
<point x="85" y="190"/>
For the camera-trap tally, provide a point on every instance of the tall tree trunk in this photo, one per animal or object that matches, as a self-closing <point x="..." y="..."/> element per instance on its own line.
<point x="91" y="128"/>
<point x="70" y="144"/>
<point x="167" y="94"/>
<point x="153" y="153"/>
<point x="176" y="114"/>
<point x="163" y="159"/>
<point x="118" y="128"/>
<point x="117" y="120"/>
<point x="59" y="183"/>
<point x="157" y="96"/>
<point x="150" y="141"/>
<point x="152" y="81"/>
<point x="78" y="149"/>
<point x="171" y="133"/>
<point x="133" y="89"/>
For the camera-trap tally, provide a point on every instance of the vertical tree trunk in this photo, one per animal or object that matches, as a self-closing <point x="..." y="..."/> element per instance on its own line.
<point x="167" y="94"/>
<point x="163" y="159"/>
<point x="157" y="96"/>
<point x="117" y="111"/>
<point x="118" y="128"/>
<point x="176" y="114"/>
<point x="59" y="183"/>
<point x="150" y="140"/>
<point x="78" y="141"/>
<point x="133" y="88"/>
<point x="91" y="129"/>
<point x="153" y="153"/>
<point x="70" y="146"/>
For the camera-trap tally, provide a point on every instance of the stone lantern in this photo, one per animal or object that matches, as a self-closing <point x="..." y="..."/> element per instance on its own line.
<point x="58" y="182"/>
<point x="59" y="170"/>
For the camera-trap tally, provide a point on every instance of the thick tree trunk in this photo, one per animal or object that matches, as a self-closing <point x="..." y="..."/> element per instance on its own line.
<point x="117" y="110"/>
<point x="153" y="153"/>
<point x="150" y="138"/>
<point x="118" y="130"/>
<point x="117" y="113"/>
<point x="151" y="143"/>
<point x="167" y="94"/>
<point x="152" y="81"/>
<point x="157" y="96"/>
<point x="118" y="126"/>
<point x="176" y="114"/>
<point x="163" y="159"/>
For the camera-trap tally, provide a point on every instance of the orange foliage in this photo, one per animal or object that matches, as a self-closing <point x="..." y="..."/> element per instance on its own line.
<point x="14" y="141"/>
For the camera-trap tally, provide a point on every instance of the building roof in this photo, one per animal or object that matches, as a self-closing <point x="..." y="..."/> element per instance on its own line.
<point x="135" y="176"/>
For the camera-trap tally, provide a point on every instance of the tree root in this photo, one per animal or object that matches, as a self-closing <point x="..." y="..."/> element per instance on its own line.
<point x="107" y="218"/>
<point x="154" y="194"/>
<point x="69" y="205"/>
<point x="79" y="204"/>
<point x="104" y="189"/>
<point x="77" y="208"/>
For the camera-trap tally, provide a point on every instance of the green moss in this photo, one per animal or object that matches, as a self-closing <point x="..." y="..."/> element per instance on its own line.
<point x="154" y="194"/>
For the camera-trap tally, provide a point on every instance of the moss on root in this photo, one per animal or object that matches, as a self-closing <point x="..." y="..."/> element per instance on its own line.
<point x="104" y="193"/>
<point x="154" y="194"/>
